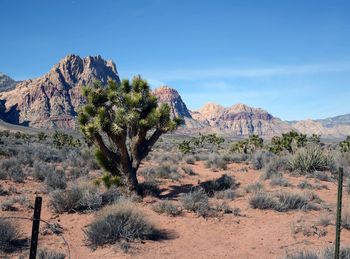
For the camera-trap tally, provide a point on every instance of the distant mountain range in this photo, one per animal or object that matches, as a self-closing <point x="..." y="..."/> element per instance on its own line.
<point x="52" y="101"/>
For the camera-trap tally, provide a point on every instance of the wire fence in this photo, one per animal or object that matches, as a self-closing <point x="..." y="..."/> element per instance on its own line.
<point x="25" y="245"/>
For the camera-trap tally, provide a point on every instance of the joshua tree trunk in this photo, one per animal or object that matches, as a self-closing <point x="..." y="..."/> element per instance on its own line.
<point x="133" y="182"/>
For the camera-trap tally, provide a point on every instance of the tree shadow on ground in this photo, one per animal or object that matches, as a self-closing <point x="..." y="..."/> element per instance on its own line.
<point x="174" y="191"/>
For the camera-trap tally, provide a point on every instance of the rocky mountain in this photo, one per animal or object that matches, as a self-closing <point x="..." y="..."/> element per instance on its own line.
<point x="334" y="121"/>
<point x="178" y="108"/>
<point x="240" y="120"/>
<point x="321" y="127"/>
<point x="6" y="82"/>
<point x="53" y="99"/>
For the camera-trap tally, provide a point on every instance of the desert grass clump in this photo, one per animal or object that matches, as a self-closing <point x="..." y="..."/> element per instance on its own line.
<point x="228" y="194"/>
<point x="119" y="222"/>
<point x="76" y="198"/>
<point x="223" y="207"/>
<point x="150" y="188"/>
<point x="11" y="169"/>
<point x="303" y="255"/>
<point x="197" y="201"/>
<point x="189" y="159"/>
<point x="9" y="235"/>
<point x="304" y="185"/>
<point x="345" y="221"/>
<point x="309" y="160"/>
<point x="294" y="201"/>
<point x="216" y="163"/>
<point x="321" y="175"/>
<point x="49" y="254"/>
<point x="167" y="171"/>
<point x="167" y="207"/>
<point x="276" y="165"/>
<point x="279" y="180"/>
<point x="223" y="183"/>
<point x="188" y="170"/>
<point x="262" y="201"/>
<point x="41" y="170"/>
<point x="56" y="179"/>
<point x="254" y="187"/>
<point x="344" y="253"/>
<point x="282" y="202"/>
<point x="260" y="159"/>
<point x="8" y="205"/>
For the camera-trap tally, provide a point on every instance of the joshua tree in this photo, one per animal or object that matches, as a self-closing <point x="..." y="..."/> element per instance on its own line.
<point x="123" y="121"/>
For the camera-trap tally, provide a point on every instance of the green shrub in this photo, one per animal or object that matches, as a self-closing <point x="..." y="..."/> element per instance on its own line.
<point x="275" y="166"/>
<point x="254" y="187"/>
<point x="196" y="201"/>
<point x="118" y="222"/>
<point x="262" y="200"/>
<point x="226" y="194"/>
<point x="190" y="160"/>
<point x="49" y="254"/>
<point x="308" y="160"/>
<point x="56" y="179"/>
<point x="282" y="202"/>
<point x="304" y="185"/>
<point x="344" y="253"/>
<point x="41" y="170"/>
<point x="76" y="198"/>
<point x="248" y="146"/>
<point x="167" y="207"/>
<point x="279" y="180"/>
<point x="9" y="235"/>
<point x="167" y="171"/>
<point x="303" y="255"/>
<point x="345" y="145"/>
<point x="11" y="169"/>
<point x="150" y="188"/>
<point x="216" y="162"/>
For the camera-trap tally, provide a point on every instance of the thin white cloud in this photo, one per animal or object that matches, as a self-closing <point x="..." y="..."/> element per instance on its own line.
<point x="231" y="72"/>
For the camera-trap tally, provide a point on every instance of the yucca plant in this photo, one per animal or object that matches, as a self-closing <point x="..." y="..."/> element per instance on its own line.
<point x="309" y="159"/>
<point x="123" y="121"/>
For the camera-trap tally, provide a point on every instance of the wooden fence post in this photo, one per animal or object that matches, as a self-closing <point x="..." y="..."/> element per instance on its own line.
<point x="35" y="229"/>
<point x="339" y="207"/>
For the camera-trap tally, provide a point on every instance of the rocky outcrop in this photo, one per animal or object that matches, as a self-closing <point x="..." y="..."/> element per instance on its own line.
<point x="178" y="108"/>
<point x="6" y="82"/>
<point x="240" y="120"/>
<point x="53" y="100"/>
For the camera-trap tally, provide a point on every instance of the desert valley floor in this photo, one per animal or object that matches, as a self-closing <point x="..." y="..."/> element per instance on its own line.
<point x="253" y="233"/>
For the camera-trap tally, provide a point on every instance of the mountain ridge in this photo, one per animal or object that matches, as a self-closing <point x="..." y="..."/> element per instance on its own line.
<point x="53" y="100"/>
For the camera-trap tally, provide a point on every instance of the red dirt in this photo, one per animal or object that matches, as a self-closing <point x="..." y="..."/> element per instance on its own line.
<point x="255" y="234"/>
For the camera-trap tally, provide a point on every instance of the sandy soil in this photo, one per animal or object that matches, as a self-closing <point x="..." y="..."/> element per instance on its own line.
<point x="254" y="234"/>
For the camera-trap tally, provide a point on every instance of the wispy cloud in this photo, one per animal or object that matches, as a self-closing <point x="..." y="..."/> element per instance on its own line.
<point x="252" y="72"/>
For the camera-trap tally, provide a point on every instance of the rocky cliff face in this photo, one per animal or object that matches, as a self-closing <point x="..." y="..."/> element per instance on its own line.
<point x="53" y="100"/>
<point x="240" y="120"/>
<point x="6" y="82"/>
<point x="178" y="108"/>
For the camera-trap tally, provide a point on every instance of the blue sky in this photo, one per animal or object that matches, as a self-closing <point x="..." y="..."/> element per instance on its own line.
<point x="290" y="57"/>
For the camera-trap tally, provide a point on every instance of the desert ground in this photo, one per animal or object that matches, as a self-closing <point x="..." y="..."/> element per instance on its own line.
<point x="231" y="228"/>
